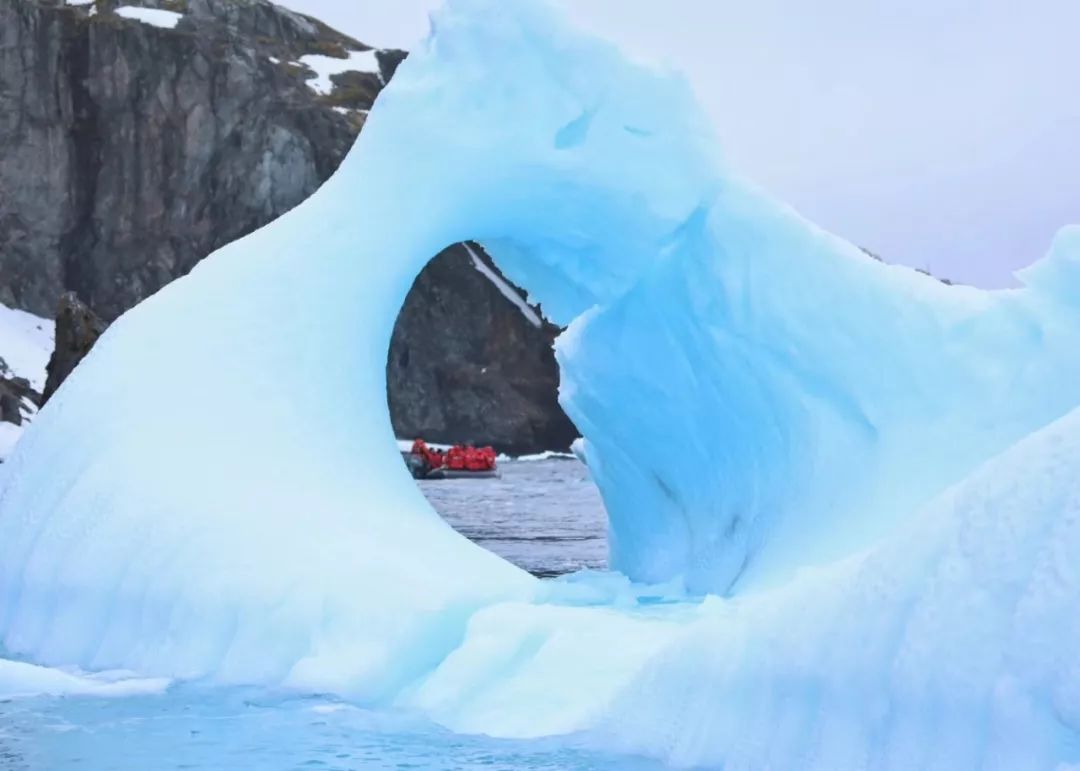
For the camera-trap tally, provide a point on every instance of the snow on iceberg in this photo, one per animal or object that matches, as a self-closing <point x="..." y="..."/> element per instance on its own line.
<point x="765" y="409"/>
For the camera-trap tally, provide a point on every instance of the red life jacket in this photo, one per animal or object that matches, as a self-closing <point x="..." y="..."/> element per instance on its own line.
<point x="457" y="459"/>
<point x="432" y="458"/>
<point x="482" y="459"/>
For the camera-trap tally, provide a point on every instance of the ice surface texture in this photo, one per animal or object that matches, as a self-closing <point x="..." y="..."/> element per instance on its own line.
<point x="771" y="416"/>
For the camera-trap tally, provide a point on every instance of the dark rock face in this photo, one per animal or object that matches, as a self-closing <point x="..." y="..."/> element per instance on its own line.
<point x="77" y="329"/>
<point x="18" y="400"/>
<point x="497" y="387"/>
<point x="131" y="152"/>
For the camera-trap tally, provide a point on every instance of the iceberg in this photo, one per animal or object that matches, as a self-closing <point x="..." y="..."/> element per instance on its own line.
<point x="950" y="645"/>
<point x="856" y="486"/>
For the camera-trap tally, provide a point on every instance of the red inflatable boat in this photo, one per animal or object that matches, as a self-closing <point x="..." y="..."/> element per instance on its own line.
<point x="458" y="462"/>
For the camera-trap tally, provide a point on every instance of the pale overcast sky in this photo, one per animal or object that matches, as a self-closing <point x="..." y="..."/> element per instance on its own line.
<point x="944" y="134"/>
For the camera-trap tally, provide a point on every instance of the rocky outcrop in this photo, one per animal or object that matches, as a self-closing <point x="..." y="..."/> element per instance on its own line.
<point x="499" y="387"/>
<point x="77" y="330"/>
<point x="132" y="151"/>
<point x="18" y="400"/>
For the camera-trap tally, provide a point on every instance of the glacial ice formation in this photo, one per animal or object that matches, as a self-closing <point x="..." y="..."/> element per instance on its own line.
<point x="21" y="680"/>
<point x="951" y="645"/>
<point x="874" y="474"/>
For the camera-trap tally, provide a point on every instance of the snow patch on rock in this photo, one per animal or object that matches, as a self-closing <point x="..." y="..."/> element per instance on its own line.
<point x="155" y="17"/>
<point x="325" y="67"/>
<point x="26" y="343"/>
<point x="505" y="289"/>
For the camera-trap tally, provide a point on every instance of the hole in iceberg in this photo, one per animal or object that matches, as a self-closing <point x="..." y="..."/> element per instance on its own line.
<point x="471" y="362"/>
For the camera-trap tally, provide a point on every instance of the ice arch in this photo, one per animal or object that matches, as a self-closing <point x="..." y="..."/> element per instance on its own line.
<point x="216" y="491"/>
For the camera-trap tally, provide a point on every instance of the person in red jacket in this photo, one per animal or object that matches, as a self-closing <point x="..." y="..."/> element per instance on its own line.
<point x="433" y="459"/>
<point x="456" y="458"/>
<point x="424" y="460"/>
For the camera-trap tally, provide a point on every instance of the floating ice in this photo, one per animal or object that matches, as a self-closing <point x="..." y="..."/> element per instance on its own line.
<point x="21" y="680"/>
<point x="770" y="415"/>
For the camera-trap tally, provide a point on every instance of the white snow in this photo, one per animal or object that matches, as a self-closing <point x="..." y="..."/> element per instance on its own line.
<point x="155" y="17"/>
<point x="26" y="343"/>
<point x="874" y="478"/>
<point x="326" y="66"/>
<point x="505" y="289"/>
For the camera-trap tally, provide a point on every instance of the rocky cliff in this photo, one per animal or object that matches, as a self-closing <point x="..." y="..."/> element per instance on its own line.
<point x="499" y="386"/>
<point x="140" y="137"/>
<point x="133" y="150"/>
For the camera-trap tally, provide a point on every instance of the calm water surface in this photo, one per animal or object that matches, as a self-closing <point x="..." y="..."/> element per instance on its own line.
<point x="193" y="728"/>
<point x="544" y="516"/>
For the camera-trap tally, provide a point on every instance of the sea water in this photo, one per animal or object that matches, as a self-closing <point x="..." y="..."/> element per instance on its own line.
<point x="192" y="727"/>
<point x="545" y="516"/>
